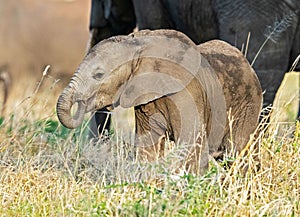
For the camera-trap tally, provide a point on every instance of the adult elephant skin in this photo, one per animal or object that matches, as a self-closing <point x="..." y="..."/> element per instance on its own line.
<point x="178" y="90"/>
<point x="267" y="31"/>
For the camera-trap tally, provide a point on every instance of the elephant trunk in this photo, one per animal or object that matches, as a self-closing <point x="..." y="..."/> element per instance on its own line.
<point x="63" y="108"/>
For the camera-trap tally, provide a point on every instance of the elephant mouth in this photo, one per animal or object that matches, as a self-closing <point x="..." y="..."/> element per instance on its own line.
<point x="93" y="105"/>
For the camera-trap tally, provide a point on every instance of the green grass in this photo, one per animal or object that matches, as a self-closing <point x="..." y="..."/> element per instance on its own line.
<point x="48" y="170"/>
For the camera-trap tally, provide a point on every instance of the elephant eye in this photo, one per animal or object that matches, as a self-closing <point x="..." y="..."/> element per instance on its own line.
<point x="98" y="76"/>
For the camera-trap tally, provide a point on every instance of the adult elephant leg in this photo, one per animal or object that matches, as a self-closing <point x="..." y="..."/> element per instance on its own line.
<point x="110" y="18"/>
<point x="295" y="56"/>
<point x="152" y="15"/>
<point x="251" y="26"/>
<point x="100" y="123"/>
<point x="196" y="19"/>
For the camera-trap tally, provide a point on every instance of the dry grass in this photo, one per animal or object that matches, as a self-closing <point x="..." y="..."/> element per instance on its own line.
<point x="47" y="170"/>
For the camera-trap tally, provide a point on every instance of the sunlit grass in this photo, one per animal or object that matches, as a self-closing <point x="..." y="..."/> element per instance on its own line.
<point x="48" y="170"/>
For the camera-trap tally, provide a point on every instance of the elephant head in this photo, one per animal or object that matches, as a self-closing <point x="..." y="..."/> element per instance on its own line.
<point x="129" y="71"/>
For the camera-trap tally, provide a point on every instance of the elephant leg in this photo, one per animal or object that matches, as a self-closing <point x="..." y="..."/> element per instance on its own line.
<point x="150" y="132"/>
<point x="295" y="53"/>
<point x="112" y="17"/>
<point x="251" y="25"/>
<point x="100" y="123"/>
<point x="152" y="15"/>
<point x="152" y="152"/>
<point x="196" y="160"/>
<point x="152" y="144"/>
<point x="270" y="82"/>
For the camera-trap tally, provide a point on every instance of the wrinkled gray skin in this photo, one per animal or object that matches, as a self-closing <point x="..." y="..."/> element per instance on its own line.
<point x="102" y="82"/>
<point x="203" y="20"/>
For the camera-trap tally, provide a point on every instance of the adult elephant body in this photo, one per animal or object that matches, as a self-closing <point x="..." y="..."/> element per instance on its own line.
<point x="267" y="31"/>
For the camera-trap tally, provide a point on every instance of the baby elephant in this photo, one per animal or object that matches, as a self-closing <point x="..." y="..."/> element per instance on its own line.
<point x="205" y="98"/>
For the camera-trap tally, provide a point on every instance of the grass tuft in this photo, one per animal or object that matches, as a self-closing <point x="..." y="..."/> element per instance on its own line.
<point x="48" y="170"/>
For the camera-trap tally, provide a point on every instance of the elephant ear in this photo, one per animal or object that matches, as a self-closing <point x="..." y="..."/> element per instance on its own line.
<point x="164" y="63"/>
<point x="147" y="87"/>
